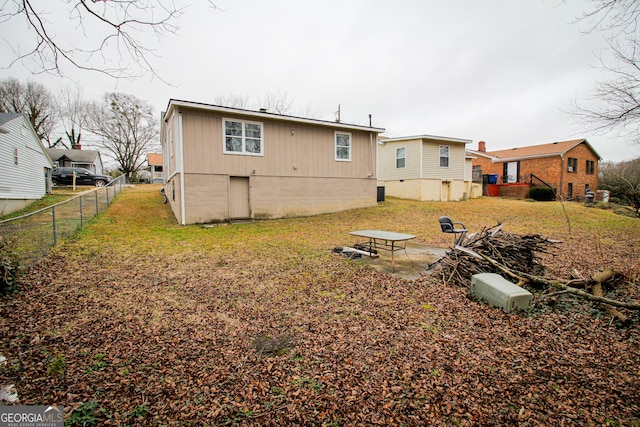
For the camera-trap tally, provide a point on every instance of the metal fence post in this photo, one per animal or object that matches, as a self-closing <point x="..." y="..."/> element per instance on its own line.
<point x="55" y="232"/>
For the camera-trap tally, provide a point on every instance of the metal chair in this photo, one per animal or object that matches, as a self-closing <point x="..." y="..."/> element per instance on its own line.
<point x="448" y="226"/>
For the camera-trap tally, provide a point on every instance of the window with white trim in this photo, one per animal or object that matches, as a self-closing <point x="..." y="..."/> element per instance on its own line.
<point x="170" y="139"/>
<point x="15" y="156"/>
<point x="401" y="157"/>
<point x="444" y="156"/>
<point x="343" y="146"/>
<point x="242" y="137"/>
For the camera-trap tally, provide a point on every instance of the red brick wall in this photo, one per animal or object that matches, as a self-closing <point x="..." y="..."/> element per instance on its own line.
<point x="580" y="178"/>
<point x="514" y="191"/>
<point x="552" y="170"/>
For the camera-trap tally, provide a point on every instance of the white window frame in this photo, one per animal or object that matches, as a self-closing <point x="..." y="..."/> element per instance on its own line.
<point x="244" y="151"/>
<point x="403" y="158"/>
<point x="335" y="146"/>
<point x="170" y="138"/>
<point x="448" y="157"/>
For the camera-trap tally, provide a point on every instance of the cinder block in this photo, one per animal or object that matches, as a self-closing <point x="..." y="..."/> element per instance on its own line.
<point x="499" y="292"/>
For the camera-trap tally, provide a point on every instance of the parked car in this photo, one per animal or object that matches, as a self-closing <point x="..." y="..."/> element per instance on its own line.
<point x="64" y="176"/>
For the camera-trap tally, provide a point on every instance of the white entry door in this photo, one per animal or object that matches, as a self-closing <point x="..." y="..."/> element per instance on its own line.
<point x="239" y="197"/>
<point x="512" y="172"/>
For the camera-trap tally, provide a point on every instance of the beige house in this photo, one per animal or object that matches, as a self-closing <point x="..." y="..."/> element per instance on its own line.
<point x="224" y="163"/>
<point x="425" y="168"/>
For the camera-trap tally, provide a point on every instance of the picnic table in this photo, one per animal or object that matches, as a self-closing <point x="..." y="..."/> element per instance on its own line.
<point x="384" y="240"/>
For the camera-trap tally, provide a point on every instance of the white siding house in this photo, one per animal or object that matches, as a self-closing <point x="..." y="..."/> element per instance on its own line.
<point x="424" y="167"/>
<point x="25" y="167"/>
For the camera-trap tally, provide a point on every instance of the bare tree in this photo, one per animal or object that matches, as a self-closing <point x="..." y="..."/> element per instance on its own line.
<point x="33" y="99"/>
<point x="277" y="102"/>
<point x="273" y="102"/>
<point x="233" y="100"/>
<point x="614" y="104"/>
<point x="623" y="181"/>
<point x="72" y="110"/>
<point x="127" y="128"/>
<point x="107" y="36"/>
<point x="619" y="16"/>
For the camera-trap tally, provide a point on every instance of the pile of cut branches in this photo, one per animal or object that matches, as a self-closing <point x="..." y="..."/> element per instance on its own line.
<point x="516" y="252"/>
<point x="513" y="257"/>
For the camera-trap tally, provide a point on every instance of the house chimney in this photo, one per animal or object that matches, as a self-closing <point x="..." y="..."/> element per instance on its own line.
<point x="76" y="147"/>
<point x="481" y="146"/>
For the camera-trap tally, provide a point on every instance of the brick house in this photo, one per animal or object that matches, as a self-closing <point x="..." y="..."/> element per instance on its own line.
<point x="571" y="167"/>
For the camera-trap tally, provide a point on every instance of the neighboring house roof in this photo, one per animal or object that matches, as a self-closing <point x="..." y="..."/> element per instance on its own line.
<point x="80" y="156"/>
<point x="7" y="117"/>
<point x="434" y="137"/>
<point x="154" y="159"/>
<point x="535" y="151"/>
<point x="173" y="103"/>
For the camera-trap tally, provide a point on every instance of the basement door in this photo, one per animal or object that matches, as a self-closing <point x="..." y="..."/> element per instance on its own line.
<point x="239" y="197"/>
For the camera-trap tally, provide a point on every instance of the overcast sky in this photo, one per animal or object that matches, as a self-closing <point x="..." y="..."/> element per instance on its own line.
<point x="500" y="71"/>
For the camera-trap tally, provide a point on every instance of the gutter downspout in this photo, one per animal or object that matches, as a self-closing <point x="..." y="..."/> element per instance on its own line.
<point x="183" y="214"/>
<point x="372" y="154"/>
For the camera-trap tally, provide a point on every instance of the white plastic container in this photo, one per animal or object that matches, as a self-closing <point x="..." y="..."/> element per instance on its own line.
<point x="499" y="292"/>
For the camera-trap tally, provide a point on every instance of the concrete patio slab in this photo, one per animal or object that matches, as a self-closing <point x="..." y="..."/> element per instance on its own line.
<point x="410" y="265"/>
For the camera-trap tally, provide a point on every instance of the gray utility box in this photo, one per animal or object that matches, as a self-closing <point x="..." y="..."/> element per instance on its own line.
<point x="500" y="292"/>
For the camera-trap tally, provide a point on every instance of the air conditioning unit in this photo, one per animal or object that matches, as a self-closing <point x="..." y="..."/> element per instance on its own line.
<point x="570" y="169"/>
<point x="499" y="292"/>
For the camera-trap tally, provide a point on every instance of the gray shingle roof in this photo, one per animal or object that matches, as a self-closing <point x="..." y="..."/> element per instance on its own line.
<point x="7" y="117"/>
<point x="84" y="156"/>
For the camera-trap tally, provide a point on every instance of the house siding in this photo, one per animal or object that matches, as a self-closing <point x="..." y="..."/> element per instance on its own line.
<point x="309" y="152"/>
<point x="423" y="178"/>
<point x="25" y="182"/>
<point x="431" y="161"/>
<point x="296" y="175"/>
<point x="387" y="160"/>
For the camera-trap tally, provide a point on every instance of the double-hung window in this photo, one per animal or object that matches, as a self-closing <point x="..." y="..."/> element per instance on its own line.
<point x="590" y="167"/>
<point x="572" y="165"/>
<point x="401" y="157"/>
<point x="242" y="137"/>
<point x="343" y="146"/>
<point x="444" y="156"/>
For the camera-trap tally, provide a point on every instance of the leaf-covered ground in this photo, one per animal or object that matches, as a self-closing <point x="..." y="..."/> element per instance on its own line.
<point x="139" y="321"/>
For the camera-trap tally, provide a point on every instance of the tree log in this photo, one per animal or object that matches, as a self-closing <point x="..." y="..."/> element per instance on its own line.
<point x="599" y="278"/>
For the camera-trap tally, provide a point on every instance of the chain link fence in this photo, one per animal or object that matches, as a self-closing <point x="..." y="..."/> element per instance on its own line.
<point x="31" y="236"/>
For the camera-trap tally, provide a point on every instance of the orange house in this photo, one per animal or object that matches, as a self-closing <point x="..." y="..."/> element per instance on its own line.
<point x="571" y="167"/>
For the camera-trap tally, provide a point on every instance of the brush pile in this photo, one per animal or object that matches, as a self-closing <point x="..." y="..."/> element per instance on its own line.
<point x="516" y="252"/>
